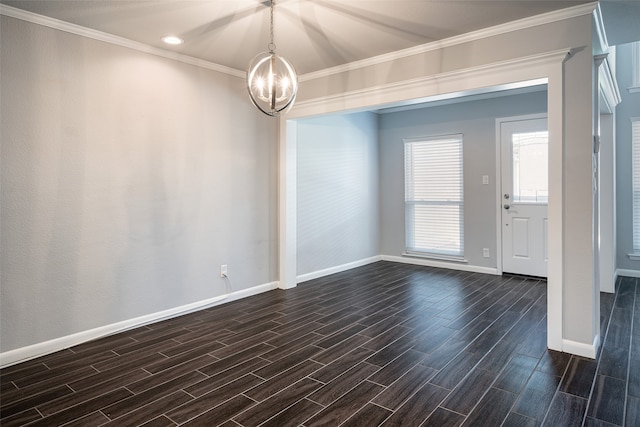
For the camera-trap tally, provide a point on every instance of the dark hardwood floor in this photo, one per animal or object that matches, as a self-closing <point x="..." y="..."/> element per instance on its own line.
<point x="385" y="344"/>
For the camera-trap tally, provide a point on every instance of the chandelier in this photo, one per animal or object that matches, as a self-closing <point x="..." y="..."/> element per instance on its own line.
<point x="271" y="80"/>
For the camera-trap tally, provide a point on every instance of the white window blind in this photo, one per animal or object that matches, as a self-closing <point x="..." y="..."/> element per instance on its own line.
<point x="434" y="206"/>
<point x="635" y="144"/>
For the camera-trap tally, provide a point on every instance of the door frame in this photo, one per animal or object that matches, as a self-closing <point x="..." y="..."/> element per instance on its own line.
<point x="546" y="68"/>
<point x="499" y="122"/>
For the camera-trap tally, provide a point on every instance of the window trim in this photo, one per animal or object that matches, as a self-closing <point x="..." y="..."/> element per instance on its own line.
<point x="432" y="254"/>
<point x="635" y="67"/>
<point x="635" y="187"/>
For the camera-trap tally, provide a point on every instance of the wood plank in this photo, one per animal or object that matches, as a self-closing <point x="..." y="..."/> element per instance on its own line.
<point x="566" y="410"/>
<point x="345" y="406"/>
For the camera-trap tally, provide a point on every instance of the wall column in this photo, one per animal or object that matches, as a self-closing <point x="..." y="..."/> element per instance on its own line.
<point x="287" y="242"/>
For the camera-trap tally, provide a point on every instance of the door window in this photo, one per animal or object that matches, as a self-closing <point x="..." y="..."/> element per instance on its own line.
<point x="530" y="167"/>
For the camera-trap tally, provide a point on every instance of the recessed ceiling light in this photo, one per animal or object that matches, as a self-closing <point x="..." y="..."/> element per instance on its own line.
<point x="173" y="40"/>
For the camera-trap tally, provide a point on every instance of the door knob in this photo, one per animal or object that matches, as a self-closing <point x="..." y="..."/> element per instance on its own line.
<point x="506" y="206"/>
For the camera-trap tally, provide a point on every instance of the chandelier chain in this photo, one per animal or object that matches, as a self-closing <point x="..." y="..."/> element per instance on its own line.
<point x="272" y="45"/>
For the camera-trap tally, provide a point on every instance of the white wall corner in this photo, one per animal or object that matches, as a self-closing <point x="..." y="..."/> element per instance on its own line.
<point x="23" y="354"/>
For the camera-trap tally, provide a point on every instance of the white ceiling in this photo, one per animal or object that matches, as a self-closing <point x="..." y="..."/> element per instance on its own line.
<point x="312" y="34"/>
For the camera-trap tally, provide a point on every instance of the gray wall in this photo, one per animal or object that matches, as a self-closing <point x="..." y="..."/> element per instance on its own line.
<point x="628" y="108"/>
<point x="476" y="121"/>
<point x="127" y="179"/>
<point x="337" y="191"/>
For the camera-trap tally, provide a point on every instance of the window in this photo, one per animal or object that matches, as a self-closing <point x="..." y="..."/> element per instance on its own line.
<point x="434" y="206"/>
<point x="530" y="167"/>
<point x="635" y="166"/>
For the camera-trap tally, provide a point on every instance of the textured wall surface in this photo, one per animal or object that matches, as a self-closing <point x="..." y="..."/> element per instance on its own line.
<point x="337" y="190"/>
<point x="127" y="179"/>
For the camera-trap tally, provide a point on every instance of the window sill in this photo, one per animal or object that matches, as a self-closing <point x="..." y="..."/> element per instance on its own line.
<point x="634" y="89"/>
<point x="436" y="257"/>
<point x="634" y="257"/>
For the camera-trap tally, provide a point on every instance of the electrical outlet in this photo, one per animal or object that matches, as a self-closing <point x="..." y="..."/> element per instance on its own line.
<point x="223" y="270"/>
<point x="485" y="179"/>
<point x="485" y="252"/>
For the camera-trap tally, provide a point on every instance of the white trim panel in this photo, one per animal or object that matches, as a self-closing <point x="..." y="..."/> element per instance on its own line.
<point x="22" y="354"/>
<point x="441" y="264"/>
<point x="287" y="202"/>
<point x="608" y="86"/>
<point x="530" y="70"/>
<point x="635" y="61"/>
<point x="90" y="33"/>
<point x="581" y="349"/>
<point x="337" y="269"/>
<point x="555" y="208"/>
<point x="601" y="44"/>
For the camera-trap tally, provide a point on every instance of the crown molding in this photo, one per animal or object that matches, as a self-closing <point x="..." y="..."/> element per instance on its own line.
<point x="79" y="30"/>
<point x="602" y="44"/>
<point x="519" y="88"/>
<point x="608" y="85"/>
<point x="533" y="21"/>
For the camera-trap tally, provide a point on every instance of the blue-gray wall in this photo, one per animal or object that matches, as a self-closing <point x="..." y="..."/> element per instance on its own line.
<point x="337" y="191"/>
<point x="350" y="182"/>
<point x="628" y="108"/>
<point x="476" y="120"/>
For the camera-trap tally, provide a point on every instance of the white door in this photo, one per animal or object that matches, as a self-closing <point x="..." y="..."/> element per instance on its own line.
<point x="524" y="153"/>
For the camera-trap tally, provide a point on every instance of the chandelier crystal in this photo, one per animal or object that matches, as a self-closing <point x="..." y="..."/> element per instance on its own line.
<point x="271" y="80"/>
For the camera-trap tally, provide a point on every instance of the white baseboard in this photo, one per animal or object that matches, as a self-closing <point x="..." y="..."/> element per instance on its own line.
<point x="609" y="287"/>
<point x="441" y="264"/>
<point x="627" y="273"/>
<point x="581" y="349"/>
<point x="23" y="354"/>
<point x="338" y="269"/>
